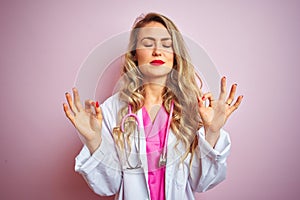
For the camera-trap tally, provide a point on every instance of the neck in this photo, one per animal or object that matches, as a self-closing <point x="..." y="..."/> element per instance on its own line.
<point x="153" y="93"/>
<point x="154" y="89"/>
<point x="153" y="98"/>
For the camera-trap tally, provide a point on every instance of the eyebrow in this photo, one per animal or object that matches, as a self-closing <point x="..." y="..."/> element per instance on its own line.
<point x="151" y="38"/>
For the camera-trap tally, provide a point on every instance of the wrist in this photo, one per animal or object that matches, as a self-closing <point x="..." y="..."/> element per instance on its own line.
<point x="93" y="145"/>
<point x="212" y="136"/>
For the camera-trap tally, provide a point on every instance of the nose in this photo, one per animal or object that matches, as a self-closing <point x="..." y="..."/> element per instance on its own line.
<point x="156" y="51"/>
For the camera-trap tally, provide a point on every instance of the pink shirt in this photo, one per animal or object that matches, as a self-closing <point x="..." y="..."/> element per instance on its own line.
<point x="155" y="138"/>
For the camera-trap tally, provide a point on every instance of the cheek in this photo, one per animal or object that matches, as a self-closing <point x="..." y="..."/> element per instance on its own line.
<point x="142" y="56"/>
<point x="170" y="58"/>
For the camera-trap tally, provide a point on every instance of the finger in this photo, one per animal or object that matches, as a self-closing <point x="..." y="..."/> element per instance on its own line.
<point x="200" y="102"/>
<point x="98" y="111"/>
<point x="68" y="113"/>
<point x="70" y="102"/>
<point x="208" y="96"/>
<point x="76" y="99"/>
<point x="223" y="89"/>
<point x="231" y="94"/>
<point x="235" y="105"/>
<point x="88" y="105"/>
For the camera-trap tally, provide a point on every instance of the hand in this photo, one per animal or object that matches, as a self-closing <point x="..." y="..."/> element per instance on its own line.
<point x="217" y="112"/>
<point x="87" y="121"/>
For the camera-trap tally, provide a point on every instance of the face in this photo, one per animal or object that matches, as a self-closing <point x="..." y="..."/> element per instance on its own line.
<point x="154" y="51"/>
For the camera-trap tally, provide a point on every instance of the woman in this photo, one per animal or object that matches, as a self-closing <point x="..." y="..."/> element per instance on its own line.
<point x="156" y="138"/>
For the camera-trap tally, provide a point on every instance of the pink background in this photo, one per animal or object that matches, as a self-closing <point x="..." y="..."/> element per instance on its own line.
<point x="43" y="44"/>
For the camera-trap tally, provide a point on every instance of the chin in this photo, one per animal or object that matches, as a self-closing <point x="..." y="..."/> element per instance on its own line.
<point x="150" y="71"/>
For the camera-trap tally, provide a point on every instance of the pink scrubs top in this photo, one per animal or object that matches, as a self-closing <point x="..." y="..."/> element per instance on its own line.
<point x="155" y="138"/>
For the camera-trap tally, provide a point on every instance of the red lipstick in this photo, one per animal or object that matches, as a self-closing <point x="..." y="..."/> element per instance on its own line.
<point x="157" y="62"/>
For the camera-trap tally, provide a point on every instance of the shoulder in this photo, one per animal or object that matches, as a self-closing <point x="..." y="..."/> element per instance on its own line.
<point x="114" y="99"/>
<point x="112" y="105"/>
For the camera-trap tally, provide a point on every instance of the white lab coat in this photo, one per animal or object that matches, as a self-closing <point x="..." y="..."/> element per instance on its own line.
<point x="105" y="174"/>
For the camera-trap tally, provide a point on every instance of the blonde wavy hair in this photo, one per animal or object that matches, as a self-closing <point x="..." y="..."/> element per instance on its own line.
<point x="181" y="87"/>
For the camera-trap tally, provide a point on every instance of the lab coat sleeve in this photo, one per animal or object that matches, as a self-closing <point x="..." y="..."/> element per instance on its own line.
<point x="209" y="165"/>
<point x="102" y="170"/>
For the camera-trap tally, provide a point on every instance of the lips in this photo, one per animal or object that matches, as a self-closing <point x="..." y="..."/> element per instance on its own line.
<point x="157" y="62"/>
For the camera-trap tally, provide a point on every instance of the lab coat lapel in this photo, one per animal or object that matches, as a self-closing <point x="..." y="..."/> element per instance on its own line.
<point x="170" y="162"/>
<point x="172" y="157"/>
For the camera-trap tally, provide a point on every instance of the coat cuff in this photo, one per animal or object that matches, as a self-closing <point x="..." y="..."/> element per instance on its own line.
<point x="85" y="162"/>
<point x="221" y="150"/>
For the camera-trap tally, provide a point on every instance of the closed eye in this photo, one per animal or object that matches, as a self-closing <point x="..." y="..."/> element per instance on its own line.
<point x="150" y="42"/>
<point x="167" y="44"/>
<point x="148" y="45"/>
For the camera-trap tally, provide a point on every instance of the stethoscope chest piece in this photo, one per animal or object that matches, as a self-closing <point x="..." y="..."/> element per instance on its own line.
<point x="162" y="161"/>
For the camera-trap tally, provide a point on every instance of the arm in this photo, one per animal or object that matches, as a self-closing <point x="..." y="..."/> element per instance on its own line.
<point x="208" y="166"/>
<point x="101" y="170"/>
<point x="98" y="161"/>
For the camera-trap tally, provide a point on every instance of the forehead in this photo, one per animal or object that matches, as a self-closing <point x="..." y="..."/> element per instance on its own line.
<point x="154" y="30"/>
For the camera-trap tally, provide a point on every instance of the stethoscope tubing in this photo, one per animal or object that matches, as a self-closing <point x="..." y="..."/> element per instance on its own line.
<point x="163" y="155"/>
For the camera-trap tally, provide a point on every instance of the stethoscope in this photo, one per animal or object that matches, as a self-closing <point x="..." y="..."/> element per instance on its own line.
<point x="163" y="155"/>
